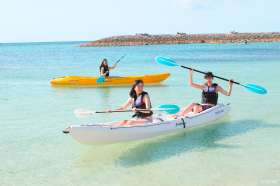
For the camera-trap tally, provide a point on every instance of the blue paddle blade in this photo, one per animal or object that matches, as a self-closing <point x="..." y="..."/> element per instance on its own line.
<point x="169" y="108"/>
<point x="255" y="88"/>
<point x="101" y="79"/>
<point x="166" y="61"/>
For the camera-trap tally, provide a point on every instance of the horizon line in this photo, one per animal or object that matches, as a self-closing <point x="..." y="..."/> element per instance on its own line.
<point x="69" y="41"/>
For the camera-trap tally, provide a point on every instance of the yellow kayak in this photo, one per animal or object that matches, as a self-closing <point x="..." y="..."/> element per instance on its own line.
<point x="110" y="81"/>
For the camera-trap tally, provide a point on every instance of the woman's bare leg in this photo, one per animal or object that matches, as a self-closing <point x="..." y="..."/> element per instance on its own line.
<point x="197" y="109"/>
<point x="121" y="123"/>
<point x="133" y="122"/>
<point x="139" y="121"/>
<point x="184" y="111"/>
<point x="187" y="109"/>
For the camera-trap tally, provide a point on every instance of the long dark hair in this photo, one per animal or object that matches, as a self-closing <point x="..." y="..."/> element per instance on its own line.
<point x="103" y="64"/>
<point x="132" y="92"/>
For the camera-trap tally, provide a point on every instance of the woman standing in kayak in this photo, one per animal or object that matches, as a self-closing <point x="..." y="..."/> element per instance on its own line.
<point x="209" y="94"/>
<point x="139" y="100"/>
<point x="104" y="68"/>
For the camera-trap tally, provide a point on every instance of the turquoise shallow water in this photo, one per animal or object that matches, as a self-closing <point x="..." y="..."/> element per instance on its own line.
<point x="242" y="150"/>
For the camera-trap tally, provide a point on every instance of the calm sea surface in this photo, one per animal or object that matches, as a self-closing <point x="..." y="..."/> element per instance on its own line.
<point x="243" y="150"/>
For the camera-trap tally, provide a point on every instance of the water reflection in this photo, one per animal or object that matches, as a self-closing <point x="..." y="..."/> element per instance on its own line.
<point x="202" y="138"/>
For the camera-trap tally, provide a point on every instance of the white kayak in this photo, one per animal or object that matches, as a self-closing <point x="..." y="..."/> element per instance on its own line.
<point x="161" y="125"/>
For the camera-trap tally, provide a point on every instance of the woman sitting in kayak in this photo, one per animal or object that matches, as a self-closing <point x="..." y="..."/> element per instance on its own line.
<point x="139" y="100"/>
<point x="104" y="68"/>
<point x="209" y="95"/>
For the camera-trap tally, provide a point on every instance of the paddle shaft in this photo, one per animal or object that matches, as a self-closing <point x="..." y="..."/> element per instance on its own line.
<point x="102" y="112"/>
<point x="119" y="59"/>
<point x="214" y="75"/>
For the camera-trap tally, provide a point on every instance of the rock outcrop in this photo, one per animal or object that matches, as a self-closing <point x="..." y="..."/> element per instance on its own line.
<point x="183" y="38"/>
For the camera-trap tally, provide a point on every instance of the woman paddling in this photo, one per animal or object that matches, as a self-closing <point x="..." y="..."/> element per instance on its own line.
<point x="104" y="68"/>
<point x="209" y="95"/>
<point x="141" y="105"/>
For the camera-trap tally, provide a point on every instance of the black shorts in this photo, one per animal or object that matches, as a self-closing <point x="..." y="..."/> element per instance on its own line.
<point x="142" y="115"/>
<point x="204" y="106"/>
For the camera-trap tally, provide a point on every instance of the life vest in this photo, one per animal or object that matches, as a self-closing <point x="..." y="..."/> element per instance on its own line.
<point x="106" y="70"/>
<point x="138" y="103"/>
<point x="210" y="95"/>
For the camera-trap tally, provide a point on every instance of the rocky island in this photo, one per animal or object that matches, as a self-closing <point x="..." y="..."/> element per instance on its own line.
<point x="183" y="38"/>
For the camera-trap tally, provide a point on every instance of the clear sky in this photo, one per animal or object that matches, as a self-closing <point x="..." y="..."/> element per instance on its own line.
<point x="69" y="20"/>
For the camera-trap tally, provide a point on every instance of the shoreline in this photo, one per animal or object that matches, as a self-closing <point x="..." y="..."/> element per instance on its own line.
<point x="183" y="38"/>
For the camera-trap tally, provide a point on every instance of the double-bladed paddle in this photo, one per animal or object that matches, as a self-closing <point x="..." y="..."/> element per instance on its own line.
<point x="171" y="63"/>
<point x="101" y="79"/>
<point x="168" y="108"/>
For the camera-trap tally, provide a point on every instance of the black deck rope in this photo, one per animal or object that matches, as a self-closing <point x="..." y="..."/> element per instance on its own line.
<point x="184" y="124"/>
